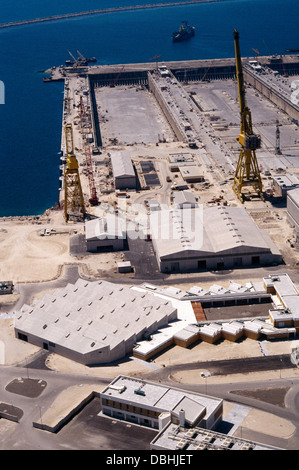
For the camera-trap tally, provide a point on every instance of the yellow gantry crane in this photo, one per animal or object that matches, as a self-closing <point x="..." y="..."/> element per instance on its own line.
<point x="247" y="171"/>
<point x="73" y="196"/>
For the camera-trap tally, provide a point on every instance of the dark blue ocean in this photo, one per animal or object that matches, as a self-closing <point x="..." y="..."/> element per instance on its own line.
<point x="30" y="119"/>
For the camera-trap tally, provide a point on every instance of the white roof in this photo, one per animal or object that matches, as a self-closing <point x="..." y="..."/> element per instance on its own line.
<point x="106" y="227"/>
<point x="196" y="232"/>
<point x="121" y="164"/>
<point x="293" y="194"/>
<point x="184" y="197"/>
<point x="286" y="180"/>
<point x="88" y="316"/>
<point x="159" y="396"/>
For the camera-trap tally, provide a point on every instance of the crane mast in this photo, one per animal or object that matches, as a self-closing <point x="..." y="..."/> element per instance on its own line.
<point x="73" y="196"/>
<point x="247" y="171"/>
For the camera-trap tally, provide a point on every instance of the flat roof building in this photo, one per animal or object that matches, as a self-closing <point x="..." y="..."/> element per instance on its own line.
<point x="191" y="173"/>
<point x="286" y="297"/>
<point x="284" y="183"/>
<point x="142" y="402"/>
<point x="208" y="239"/>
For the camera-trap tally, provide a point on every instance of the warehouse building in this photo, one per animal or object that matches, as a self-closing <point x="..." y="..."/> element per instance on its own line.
<point x="209" y="239"/>
<point x="123" y="170"/>
<point x="92" y="322"/>
<point x="191" y="174"/>
<point x="282" y="184"/>
<point x="146" y="403"/>
<point x="185" y="199"/>
<point x="105" y="234"/>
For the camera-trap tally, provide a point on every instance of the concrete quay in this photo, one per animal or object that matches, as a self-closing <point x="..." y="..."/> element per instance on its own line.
<point x="185" y="70"/>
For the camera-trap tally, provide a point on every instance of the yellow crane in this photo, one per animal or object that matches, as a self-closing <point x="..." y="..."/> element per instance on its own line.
<point x="247" y="171"/>
<point x="73" y="196"/>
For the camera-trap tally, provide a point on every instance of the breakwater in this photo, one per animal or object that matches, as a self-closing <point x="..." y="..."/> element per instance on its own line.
<point x="102" y="11"/>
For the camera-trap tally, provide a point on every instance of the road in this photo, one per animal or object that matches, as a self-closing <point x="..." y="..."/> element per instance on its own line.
<point x="89" y="431"/>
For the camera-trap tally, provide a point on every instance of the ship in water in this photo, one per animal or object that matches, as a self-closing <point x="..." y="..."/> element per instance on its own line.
<point x="185" y="32"/>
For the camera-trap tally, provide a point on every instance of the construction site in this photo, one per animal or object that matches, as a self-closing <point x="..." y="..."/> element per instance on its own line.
<point x="178" y="189"/>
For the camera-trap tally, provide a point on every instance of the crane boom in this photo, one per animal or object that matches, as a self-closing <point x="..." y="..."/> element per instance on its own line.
<point x="239" y="71"/>
<point x="80" y="55"/>
<point x="247" y="171"/>
<point x="72" y="56"/>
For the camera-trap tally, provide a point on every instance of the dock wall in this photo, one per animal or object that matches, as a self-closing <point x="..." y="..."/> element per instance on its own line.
<point x="96" y="131"/>
<point x="171" y="118"/>
<point x="273" y="95"/>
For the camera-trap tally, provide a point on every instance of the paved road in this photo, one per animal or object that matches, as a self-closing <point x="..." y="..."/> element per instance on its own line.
<point x="89" y="431"/>
<point x="28" y="291"/>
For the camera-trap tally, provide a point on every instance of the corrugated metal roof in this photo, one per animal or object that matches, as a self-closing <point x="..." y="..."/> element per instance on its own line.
<point x="122" y="164"/>
<point x="207" y="231"/>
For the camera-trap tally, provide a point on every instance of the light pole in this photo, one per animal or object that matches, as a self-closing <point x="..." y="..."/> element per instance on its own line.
<point x="206" y="374"/>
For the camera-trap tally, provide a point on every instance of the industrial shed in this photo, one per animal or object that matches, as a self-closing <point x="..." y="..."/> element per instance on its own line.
<point x="93" y="322"/>
<point x="123" y="170"/>
<point x="105" y="234"/>
<point x="209" y="239"/>
<point x="183" y="199"/>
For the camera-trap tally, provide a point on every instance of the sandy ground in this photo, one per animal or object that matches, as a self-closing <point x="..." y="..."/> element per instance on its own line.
<point x="26" y="256"/>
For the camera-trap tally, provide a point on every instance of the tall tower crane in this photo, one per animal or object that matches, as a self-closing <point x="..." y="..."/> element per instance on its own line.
<point x="247" y="171"/>
<point x="73" y="196"/>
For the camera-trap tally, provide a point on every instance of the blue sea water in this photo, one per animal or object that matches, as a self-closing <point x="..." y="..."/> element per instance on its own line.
<point x="30" y="119"/>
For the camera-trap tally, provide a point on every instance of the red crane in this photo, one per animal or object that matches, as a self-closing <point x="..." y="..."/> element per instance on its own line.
<point x="112" y="84"/>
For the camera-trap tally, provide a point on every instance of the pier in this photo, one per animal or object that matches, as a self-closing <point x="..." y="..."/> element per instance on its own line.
<point x="102" y="11"/>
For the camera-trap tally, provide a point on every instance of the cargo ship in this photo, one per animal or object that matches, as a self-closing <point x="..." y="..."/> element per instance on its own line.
<point x="185" y="32"/>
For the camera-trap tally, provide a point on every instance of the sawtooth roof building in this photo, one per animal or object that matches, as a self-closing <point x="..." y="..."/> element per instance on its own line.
<point x="92" y="322"/>
<point x="198" y="239"/>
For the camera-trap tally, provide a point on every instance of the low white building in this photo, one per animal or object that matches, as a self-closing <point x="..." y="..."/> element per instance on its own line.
<point x="282" y="184"/>
<point x="105" y="234"/>
<point x="144" y="402"/>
